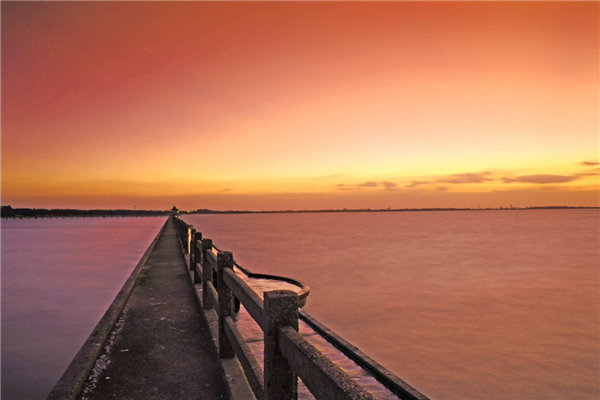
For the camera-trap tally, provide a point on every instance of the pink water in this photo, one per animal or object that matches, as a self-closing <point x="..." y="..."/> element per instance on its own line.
<point x="461" y="305"/>
<point x="58" y="278"/>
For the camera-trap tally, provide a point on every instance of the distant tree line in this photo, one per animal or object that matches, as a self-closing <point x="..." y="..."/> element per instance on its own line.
<point x="8" y="211"/>
<point x="206" y="211"/>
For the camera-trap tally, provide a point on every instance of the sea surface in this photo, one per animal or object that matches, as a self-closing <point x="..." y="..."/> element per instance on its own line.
<point x="460" y="304"/>
<point x="58" y="278"/>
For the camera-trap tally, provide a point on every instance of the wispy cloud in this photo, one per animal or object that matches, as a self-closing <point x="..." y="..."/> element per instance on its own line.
<point x="471" y="177"/>
<point x="541" y="179"/>
<point x="343" y="186"/>
<point x="487" y="176"/>
<point x="478" y="177"/>
<point x="369" y="184"/>
<point x="417" y="183"/>
<point x="590" y="163"/>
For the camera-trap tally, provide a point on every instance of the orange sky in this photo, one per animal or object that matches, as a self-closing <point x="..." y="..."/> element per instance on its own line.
<point x="299" y="105"/>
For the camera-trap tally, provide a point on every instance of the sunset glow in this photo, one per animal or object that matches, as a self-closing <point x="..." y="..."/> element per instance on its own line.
<point x="290" y="105"/>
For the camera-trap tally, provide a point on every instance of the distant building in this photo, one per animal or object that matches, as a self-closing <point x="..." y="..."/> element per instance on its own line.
<point x="174" y="211"/>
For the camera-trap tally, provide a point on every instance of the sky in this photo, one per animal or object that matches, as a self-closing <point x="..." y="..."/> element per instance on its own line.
<point x="289" y="105"/>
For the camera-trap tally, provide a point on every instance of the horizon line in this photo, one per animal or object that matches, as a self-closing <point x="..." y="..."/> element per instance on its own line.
<point x="36" y="211"/>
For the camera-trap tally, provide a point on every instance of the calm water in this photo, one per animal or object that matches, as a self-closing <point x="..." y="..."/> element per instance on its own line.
<point x="462" y="305"/>
<point x="58" y="278"/>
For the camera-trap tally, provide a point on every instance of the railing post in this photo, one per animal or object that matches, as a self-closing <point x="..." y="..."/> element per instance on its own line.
<point x="206" y="274"/>
<point x="224" y="260"/>
<point x="187" y="228"/>
<point x="192" y="242"/>
<point x="197" y="256"/>
<point x="192" y="252"/>
<point x="281" y="309"/>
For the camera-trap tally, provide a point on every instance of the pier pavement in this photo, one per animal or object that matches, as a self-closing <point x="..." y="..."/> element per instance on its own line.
<point x="160" y="347"/>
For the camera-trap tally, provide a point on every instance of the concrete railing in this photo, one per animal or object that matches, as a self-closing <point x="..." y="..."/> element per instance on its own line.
<point x="184" y="232"/>
<point x="287" y="354"/>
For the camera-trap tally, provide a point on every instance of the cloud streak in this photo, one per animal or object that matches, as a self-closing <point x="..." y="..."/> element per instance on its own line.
<point x="367" y="184"/>
<point x="445" y="182"/>
<point x="457" y="179"/>
<point x="541" y="179"/>
<point x="370" y="184"/>
<point x="343" y="186"/>
<point x="487" y="176"/>
<point x="478" y="177"/>
<point x="417" y="183"/>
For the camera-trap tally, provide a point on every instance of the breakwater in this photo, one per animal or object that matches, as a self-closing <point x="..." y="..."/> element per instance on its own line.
<point x="227" y="293"/>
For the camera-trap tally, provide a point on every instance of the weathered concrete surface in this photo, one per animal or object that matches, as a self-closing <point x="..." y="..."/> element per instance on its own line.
<point x="162" y="348"/>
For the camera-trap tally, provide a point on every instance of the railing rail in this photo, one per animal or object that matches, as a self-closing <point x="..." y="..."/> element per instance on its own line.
<point x="183" y="231"/>
<point x="302" y="294"/>
<point x="323" y="378"/>
<point x="252" y="368"/>
<point x="287" y="354"/>
<point x="247" y="296"/>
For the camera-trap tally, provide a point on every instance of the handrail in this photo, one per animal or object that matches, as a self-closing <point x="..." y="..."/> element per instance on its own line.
<point x="287" y="354"/>
<point x="379" y="372"/>
<point x="323" y="378"/>
<point x="304" y="288"/>
<point x="250" y="364"/>
<point x="247" y="296"/>
<point x="183" y="231"/>
<point x="214" y="296"/>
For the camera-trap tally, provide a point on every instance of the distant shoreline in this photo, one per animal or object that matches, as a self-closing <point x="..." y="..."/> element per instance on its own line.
<point x="9" y="212"/>
<point x="345" y="210"/>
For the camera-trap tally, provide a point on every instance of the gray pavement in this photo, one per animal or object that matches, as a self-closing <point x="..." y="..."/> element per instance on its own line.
<point x="161" y="347"/>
